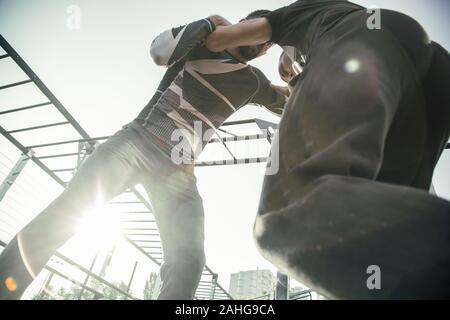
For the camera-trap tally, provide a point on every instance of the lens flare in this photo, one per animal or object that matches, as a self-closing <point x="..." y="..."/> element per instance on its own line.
<point x="351" y="66"/>
<point x="10" y="284"/>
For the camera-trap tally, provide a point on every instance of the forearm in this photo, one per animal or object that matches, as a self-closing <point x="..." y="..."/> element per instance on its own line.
<point x="174" y="44"/>
<point x="247" y="32"/>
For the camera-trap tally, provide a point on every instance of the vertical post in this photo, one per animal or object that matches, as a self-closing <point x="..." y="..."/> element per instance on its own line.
<point x="282" y="289"/>
<point x="14" y="173"/>
<point x="156" y="287"/>
<point x="132" y="276"/>
<point x="214" y="279"/>
<point x="46" y="283"/>
<point x="88" y="276"/>
<point x="84" y="150"/>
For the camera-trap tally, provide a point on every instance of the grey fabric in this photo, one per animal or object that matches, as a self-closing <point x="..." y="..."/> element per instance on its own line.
<point x="125" y="159"/>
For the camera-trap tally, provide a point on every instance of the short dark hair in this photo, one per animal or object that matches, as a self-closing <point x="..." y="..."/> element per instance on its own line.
<point x="257" y="14"/>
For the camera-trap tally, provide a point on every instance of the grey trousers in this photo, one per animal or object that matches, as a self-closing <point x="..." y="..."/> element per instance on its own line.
<point x="358" y="143"/>
<point x="124" y="160"/>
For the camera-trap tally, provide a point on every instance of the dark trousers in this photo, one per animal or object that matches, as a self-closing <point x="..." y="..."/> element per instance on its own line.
<point x="358" y="143"/>
<point x="124" y="160"/>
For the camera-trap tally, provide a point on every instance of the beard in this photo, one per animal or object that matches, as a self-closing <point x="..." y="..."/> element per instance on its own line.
<point x="249" y="52"/>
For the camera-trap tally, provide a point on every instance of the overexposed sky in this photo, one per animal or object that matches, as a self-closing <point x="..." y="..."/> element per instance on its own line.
<point x="103" y="75"/>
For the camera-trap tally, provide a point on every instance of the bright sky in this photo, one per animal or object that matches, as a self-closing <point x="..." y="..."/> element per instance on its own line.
<point x="103" y="74"/>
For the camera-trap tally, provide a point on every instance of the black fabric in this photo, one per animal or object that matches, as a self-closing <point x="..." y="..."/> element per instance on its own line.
<point x="357" y="151"/>
<point x="167" y="79"/>
<point x="300" y="23"/>
<point x="266" y="96"/>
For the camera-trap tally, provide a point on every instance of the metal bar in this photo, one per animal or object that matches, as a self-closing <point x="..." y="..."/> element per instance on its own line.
<point x="448" y="146"/>
<point x="135" y="212"/>
<point x="14" y="173"/>
<point x="25" y="150"/>
<point x="88" y="276"/>
<point x="51" y="144"/>
<point x="61" y="155"/>
<point x="72" y="280"/>
<point x="233" y="123"/>
<point x="64" y="170"/>
<point x="26" y="108"/>
<point x="226" y="147"/>
<point x="30" y="73"/>
<point x="46" y="284"/>
<point x="143" y="234"/>
<point x="136" y="221"/>
<point x="247" y="137"/>
<point x="15" y="84"/>
<point x="282" y="287"/>
<point x="139" y="229"/>
<point x="142" y="199"/>
<point x="125" y="202"/>
<point x="301" y="294"/>
<point x="227" y="132"/>
<point x="2" y="244"/>
<point x="230" y="162"/>
<point x="4" y="56"/>
<point x="132" y="276"/>
<point x="142" y="251"/>
<point x="224" y="292"/>
<point x="93" y="275"/>
<point x="40" y="127"/>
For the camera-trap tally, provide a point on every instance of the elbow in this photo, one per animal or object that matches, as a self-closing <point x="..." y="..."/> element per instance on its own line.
<point x="157" y="58"/>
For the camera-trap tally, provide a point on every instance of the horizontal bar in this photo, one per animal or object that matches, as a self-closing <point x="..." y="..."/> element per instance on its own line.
<point x="4" y="56"/>
<point x="139" y="229"/>
<point x="64" y="170"/>
<point x="448" y="146"/>
<point x="136" y="221"/>
<point x="239" y="138"/>
<point x="153" y="253"/>
<point x="149" y="247"/>
<point x="142" y="251"/>
<point x="230" y="162"/>
<point x="147" y="241"/>
<point x="15" y="84"/>
<point x="143" y="234"/>
<point x="233" y="123"/>
<point x="135" y="212"/>
<point x="40" y="127"/>
<point x="66" y="142"/>
<point x="126" y="202"/>
<point x="26" y="108"/>
<point x="61" y="155"/>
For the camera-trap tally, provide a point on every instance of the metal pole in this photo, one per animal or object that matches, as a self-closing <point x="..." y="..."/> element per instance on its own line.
<point x="46" y="283"/>
<point x="88" y="276"/>
<point x="282" y="289"/>
<point x="14" y="173"/>
<point x="132" y="276"/>
<point x="214" y="279"/>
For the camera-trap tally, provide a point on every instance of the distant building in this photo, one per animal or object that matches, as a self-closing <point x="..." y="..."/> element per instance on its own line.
<point x="252" y="284"/>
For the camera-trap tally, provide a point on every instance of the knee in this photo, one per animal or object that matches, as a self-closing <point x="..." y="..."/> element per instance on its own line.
<point x="295" y="223"/>
<point x="189" y="260"/>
